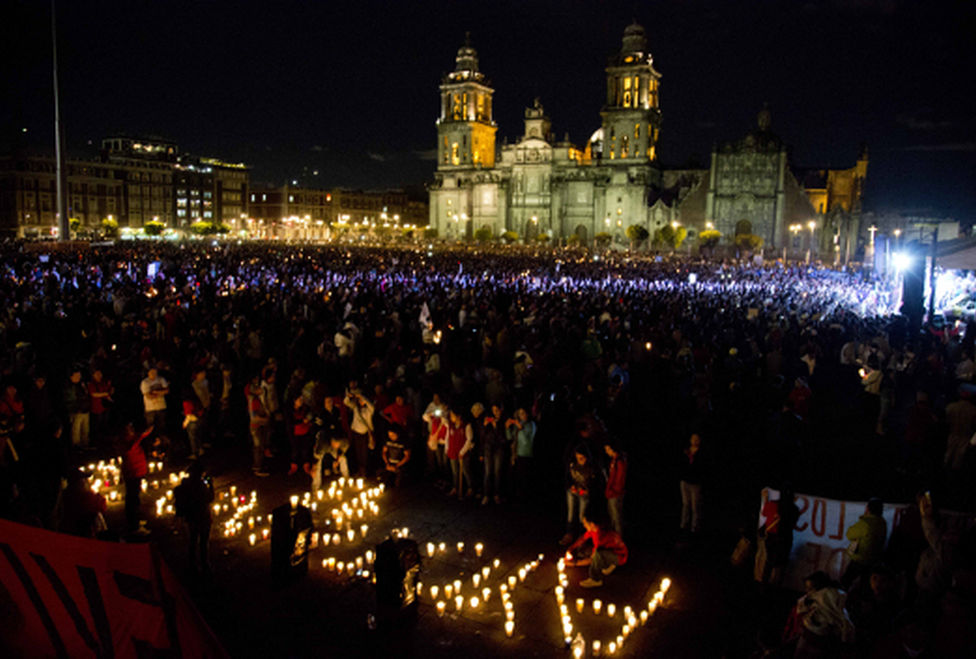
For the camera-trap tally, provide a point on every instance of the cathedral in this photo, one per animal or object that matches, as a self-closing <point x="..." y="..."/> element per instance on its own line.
<point x="540" y="186"/>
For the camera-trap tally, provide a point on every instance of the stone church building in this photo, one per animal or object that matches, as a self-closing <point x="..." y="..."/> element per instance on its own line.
<point x="540" y="185"/>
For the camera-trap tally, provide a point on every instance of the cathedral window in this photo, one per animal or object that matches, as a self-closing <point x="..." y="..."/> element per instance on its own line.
<point x="626" y="99"/>
<point x="447" y="153"/>
<point x="455" y="157"/>
<point x="457" y="106"/>
<point x="636" y="131"/>
<point x="624" y="146"/>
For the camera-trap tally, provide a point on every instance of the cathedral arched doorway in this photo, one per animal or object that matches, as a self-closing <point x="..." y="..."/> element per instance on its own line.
<point x="743" y="227"/>
<point x="581" y="233"/>
<point x="531" y="230"/>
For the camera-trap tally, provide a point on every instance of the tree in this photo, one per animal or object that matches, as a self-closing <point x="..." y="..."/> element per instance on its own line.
<point x="542" y="238"/>
<point x="670" y="236"/>
<point x="637" y="235"/>
<point x="203" y="228"/>
<point x="74" y="224"/>
<point x="110" y="227"/>
<point x="153" y="228"/>
<point x="574" y="240"/>
<point x="709" y="238"/>
<point x="748" y="242"/>
<point x="603" y="239"/>
<point x="510" y="237"/>
<point x="483" y="235"/>
<point x="223" y="228"/>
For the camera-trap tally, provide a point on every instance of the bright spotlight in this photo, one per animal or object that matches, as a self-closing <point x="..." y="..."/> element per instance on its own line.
<point x="901" y="261"/>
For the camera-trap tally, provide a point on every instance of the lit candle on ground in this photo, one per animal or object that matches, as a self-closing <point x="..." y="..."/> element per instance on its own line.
<point x="485" y="571"/>
<point x="369" y="555"/>
<point x="626" y="631"/>
<point x="420" y="588"/>
<point x="404" y="532"/>
<point x="628" y="611"/>
<point x="521" y="574"/>
<point x="509" y="628"/>
<point x="265" y="533"/>
<point x="568" y="632"/>
<point x="476" y="579"/>
<point x="320" y="495"/>
<point x="448" y="591"/>
<point x="440" y="608"/>
<point x="509" y="614"/>
<point x="340" y="566"/>
<point x="503" y="589"/>
<point x="579" y="605"/>
<point x="512" y="580"/>
<point x="216" y="509"/>
<point x="351" y="535"/>
<point x="250" y="522"/>
<point x="596" y="648"/>
<point x="611" y="610"/>
<point x="460" y="547"/>
<point x="485" y="593"/>
<point x="233" y="490"/>
<point x="359" y="562"/>
<point x="336" y="538"/>
<point x="665" y="585"/>
<point x="473" y="603"/>
<point x="430" y="548"/>
<point x="459" y="602"/>
<point x="597" y="605"/>
<point x="433" y="592"/>
<point x="478" y="548"/>
<point x="652" y="606"/>
<point x="294" y="501"/>
<point x="659" y="597"/>
<point x="252" y="539"/>
<point x="442" y="547"/>
<point x="643" y="617"/>
<point x="457" y="586"/>
<point x="495" y="563"/>
<point x="363" y="529"/>
<point x="325" y="563"/>
<point x="612" y="648"/>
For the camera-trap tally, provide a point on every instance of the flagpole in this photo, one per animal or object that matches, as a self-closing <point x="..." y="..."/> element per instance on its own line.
<point x="61" y="169"/>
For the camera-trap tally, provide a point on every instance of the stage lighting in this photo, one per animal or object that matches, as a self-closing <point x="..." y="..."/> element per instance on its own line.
<point x="901" y="261"/>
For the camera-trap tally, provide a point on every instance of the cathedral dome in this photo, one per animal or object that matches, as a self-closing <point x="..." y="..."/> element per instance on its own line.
<point x="467" y="56"/>
<point x="635" y="40"/>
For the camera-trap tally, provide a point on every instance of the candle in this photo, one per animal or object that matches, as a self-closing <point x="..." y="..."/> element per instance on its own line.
<point x="351" y="535"/>
<point x="626" y="631"/>
<point x="568" y="632"/>
<point x="359" y="513"/>
<point x="597" y="605"/>
<point x="250" y="522"/>
<point x="115" y="495"/>
<point x="216" y="509"/>
<point x="559" y="593"/>
<point x="620" y="642"/>
<point x="579" y="605"/>
<point x="596" y="648"/>
<point x="340" y="566"/>
<point x="442" y="547"/>
<point x="404" y="532"/>
<point x="509" y="628"/>
<point x="485" y="593"/>
<point x="512" y="581"/>
<point x="233" y="490"/>
<point x="612" y="648"/>
<point x="336" y="538"/>
<point x="448" y="590"/>
<point x="474" y="602"/>
<point x="332" y="563"/>
<point x="325" y="563"/>
<point x="265" y="533"/>
<point x="430" y="548"/>
<point x="611" y="610"/>
<point x="433" y="592"/>
<point x="521" y="574"/>
<point x="457" y="586"/>
<point x="342" y="481"/>
<point x="369" y="555"/>
<point x="320" y="495"/>
<point x="652" y="606"/>
<point x="460" y="547"/>
<point x="359" y="483"/>
<point x="509" y="614"/>
<point x="440" y="608"/>
<point x="478" y="548"/>
<point x="495" y="563"/>
<point x="476" y="579"/>
<point x="628" y="611"/>
<point x="659" y="597"/>
<point x="363" y="529"/>
<point x="561" y="565"/>
<point x="665" y="584"/>
<point x="420" y="588"/>
<point x="643" y="617"/>
<point x="485" y="571"/>
<point x="294" y="501"/>
<point x="252" y="539"/>
<point x="578" y="652"/>
<point x="459" y="602"/>
<point x="359" y="562"/>
<point x="503" y="589"/>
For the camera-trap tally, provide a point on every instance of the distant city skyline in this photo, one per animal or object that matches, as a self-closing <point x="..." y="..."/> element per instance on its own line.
<point x="350" y="92"/>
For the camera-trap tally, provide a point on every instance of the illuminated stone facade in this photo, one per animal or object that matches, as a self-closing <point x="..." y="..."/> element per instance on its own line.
<point x="540" y="185"/>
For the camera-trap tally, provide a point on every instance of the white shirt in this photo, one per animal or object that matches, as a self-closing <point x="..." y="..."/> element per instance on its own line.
<point x="153" y="403"/>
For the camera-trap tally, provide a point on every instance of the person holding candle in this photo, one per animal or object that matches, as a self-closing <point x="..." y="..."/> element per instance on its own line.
<point x="609" y="550"/>
<point x="360" y="425"/>
<point x="581" y="476"/>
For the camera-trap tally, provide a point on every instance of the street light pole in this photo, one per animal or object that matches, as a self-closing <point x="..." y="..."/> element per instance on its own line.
<point x="61" y="170"/>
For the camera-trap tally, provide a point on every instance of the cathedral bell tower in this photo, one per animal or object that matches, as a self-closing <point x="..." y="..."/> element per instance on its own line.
<point x="631" y="116"/>
<point x="465" y="129"/>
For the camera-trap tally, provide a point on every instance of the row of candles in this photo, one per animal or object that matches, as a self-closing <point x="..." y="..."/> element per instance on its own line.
<point x="630" y="617"/>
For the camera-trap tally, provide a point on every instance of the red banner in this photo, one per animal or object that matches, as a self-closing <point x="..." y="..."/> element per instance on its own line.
<point x="62" y="596"/>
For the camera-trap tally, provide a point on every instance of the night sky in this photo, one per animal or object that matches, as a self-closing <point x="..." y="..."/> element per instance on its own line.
<point x="349" y="89"/>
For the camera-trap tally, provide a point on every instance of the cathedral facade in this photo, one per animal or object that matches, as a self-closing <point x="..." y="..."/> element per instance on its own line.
<point x="539" y="185"/>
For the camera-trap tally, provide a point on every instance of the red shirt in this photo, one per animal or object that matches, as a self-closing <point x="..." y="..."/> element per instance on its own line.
<point x="134" y="458"/>
<point x="455" y="441"/>
<point x="607" y="539"/>
<point x="98" y="402"/>
<point x="616" y="478"/>
<point x="399" y="414"/>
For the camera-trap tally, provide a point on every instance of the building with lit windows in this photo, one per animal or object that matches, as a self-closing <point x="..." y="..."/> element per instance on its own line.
<point x="539" y="185"/>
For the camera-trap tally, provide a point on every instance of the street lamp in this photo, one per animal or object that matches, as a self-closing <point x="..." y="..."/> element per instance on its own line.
<point x="812" y="225"/>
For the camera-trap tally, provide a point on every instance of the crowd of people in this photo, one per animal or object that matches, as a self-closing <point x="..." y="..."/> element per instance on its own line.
<point x="499" y="376"/>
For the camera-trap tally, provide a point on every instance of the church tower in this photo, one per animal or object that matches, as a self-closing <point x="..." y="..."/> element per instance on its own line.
<point x="465" y="129"/>
<point x="631" y="116"/>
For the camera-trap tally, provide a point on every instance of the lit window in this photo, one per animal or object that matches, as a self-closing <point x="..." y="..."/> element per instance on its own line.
<point x="627" y="99"/>
<point x="636" y="131"/>
<point x="624" y="146"/>
<point x="291" y="199"/>
<point x="264" y="197"/>
<point x="207" y="214"/>
<point x="626" y="83"/>
<point x="455" y="159"/>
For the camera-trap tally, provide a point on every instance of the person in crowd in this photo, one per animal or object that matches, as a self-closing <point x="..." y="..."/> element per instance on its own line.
<point x="874" y="603"/>
<point x="193" y="497"/>
<point x="193" y="423"/>
<point x="581" y="477"/>
<point x="134" y="469"/>
<point x="396" y="455"/>
<point x="608" y="550"/>
<point x="692" y="474"/>
<point x="616" y="484"/>
<point x="154" y="389"/>
<point x="100" y="392"/>
<point x="521" y="430"/>
<point x="435" y="417"/>
<point x="494" y="447"/>
<point x="775" y="540"/>
<point x="867" y="537"/>
<point x="458" y="445"/>
<point x="260" y="422"/>
<point x="360" y="426"/>
<point x="301" y="436"/>
<point x="201" y="389"/>
<point x="83" y="510"/>
<point x="78" y="406"/>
